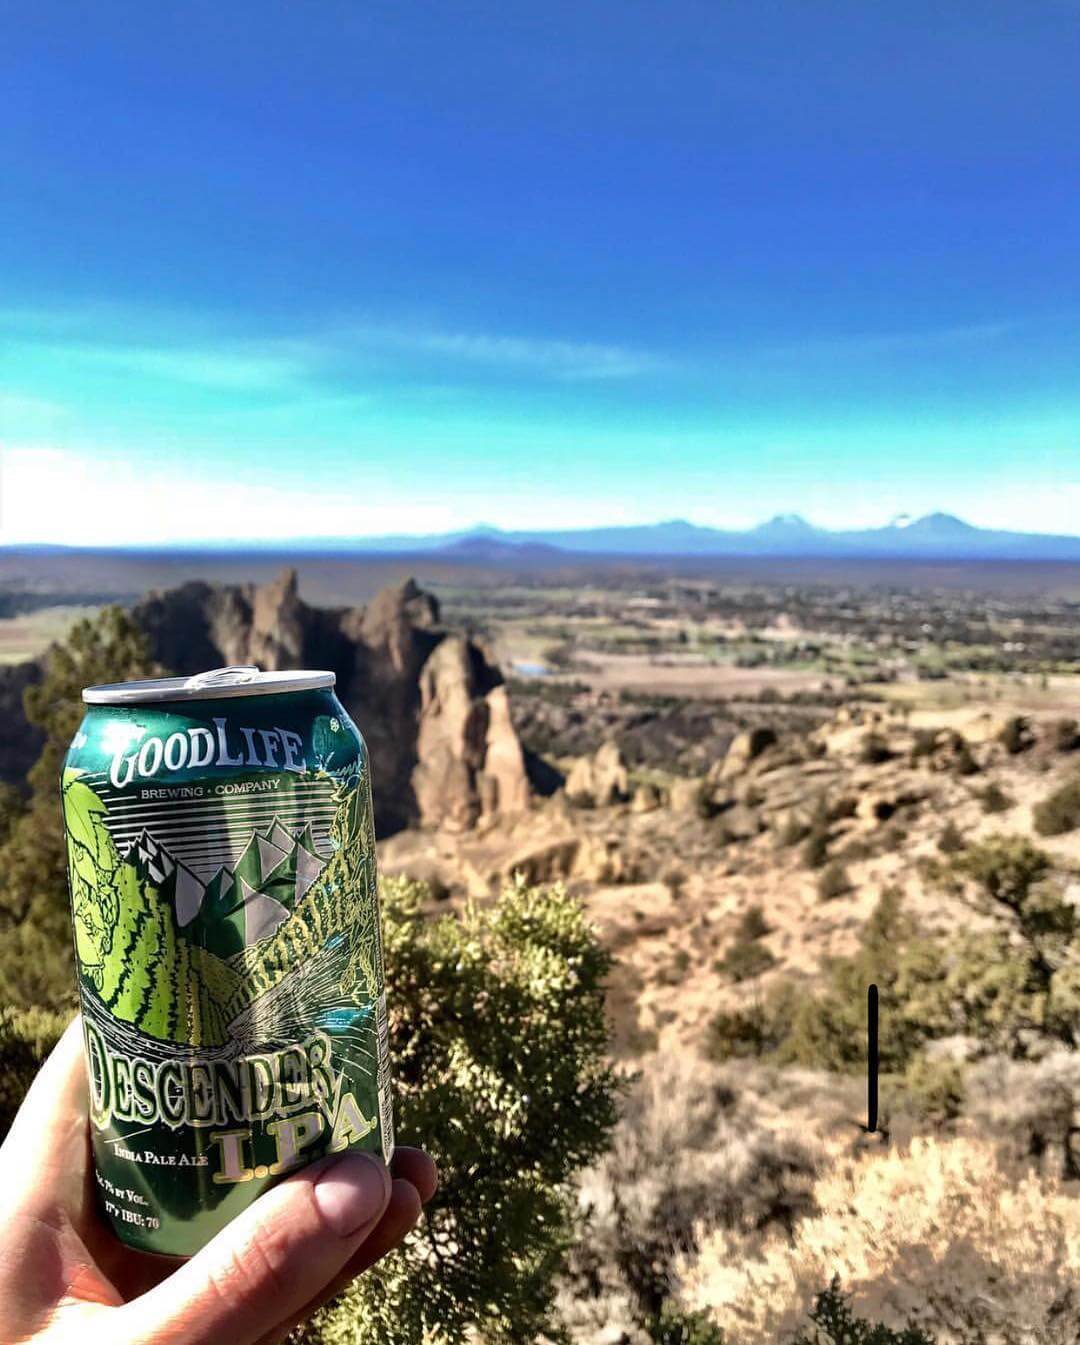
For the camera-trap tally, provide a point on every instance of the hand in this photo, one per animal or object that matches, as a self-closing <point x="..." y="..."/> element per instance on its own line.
<point x="65" y="1279"/>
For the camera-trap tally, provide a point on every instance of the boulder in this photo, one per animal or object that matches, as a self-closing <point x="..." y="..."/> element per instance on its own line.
<point x="685" y="796"/>
<point x="745" y="748"/>
<point x="646" y="799"/>
<point x="599" y="780"/>
<point x="546" y="861"/>
<point x="740" y="823"/>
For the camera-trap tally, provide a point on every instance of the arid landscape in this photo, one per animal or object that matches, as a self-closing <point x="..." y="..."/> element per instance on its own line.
<point x="769" y="786"/>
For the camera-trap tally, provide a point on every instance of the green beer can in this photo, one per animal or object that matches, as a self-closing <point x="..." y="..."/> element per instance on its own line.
<point x="221" y="864"/>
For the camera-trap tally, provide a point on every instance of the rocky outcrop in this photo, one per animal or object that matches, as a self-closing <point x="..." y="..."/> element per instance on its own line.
<point x="600" y="779"/>
<point x="745" y="748"/>
<point x="431" y="705"/>
<point x="469" y="761"/>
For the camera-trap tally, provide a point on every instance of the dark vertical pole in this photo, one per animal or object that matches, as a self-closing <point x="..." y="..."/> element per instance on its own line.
<point x="872" y="1059"/>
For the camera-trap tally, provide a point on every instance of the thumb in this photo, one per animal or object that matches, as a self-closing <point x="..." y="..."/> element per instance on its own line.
<point x="270" y="1261"/>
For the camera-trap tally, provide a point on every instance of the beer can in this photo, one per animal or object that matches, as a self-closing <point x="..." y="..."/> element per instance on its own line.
<point x="224" y="904"/>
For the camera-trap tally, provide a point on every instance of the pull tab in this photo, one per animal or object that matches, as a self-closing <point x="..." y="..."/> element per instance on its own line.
<point x="238" y="675"/>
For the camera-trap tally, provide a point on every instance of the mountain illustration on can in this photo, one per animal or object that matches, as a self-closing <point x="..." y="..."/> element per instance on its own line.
<point x="224" y="906"/>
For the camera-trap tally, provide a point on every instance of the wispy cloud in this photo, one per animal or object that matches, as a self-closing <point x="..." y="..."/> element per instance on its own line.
<point x="344" y="355"/>
<point x="557" y="358"/>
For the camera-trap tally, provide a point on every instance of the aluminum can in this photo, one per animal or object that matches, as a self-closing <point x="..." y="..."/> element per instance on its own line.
<point x="224" y="903"/>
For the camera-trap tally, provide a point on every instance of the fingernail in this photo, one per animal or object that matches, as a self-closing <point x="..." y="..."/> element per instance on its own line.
<point x="352" y="1192"/>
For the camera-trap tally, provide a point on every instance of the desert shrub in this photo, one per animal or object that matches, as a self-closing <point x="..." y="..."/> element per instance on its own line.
<point x="498" y="1040"/>
<point x="874" y="750"/>
<point x="935" y="1089"/>
<point x="951" y="841"/>
<point x="924" y="744"/>
<point x="1060" y="811"/>
<point x="825" y="1028"/>
<point x="1005" y="869"/>
<point x="745" y="1034"/>
<point x="675" y="1326"/>
<point x="963" y="760"/>
<point x="834" y="1323"/>
<point x="688" y="1156"/>
<point x="994" y="799"/>
<point x="942" y="1237"/>
<point x="26" y="1038"/>
<point x="1016" y="735"/>
<point x="35" y="927"/>
<point x="752" y="924"/>
<point x="1032" y="1105"/>
<point x="1065" y="735"/>
<point x="815" y="851"/>
<point x="1012" y="987"/>
<point x="833" y="882"/>
<point x="745" y="959"/>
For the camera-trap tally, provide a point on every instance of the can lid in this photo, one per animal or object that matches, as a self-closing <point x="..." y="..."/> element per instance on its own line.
<point x="218" y="683"/>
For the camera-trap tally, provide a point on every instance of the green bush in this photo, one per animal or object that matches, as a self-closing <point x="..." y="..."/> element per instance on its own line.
<point x="26" y="1038"/>
<point x="35" y="926"/>
<point x="746" y="959"/>
<point x="674" y="1326"/>
<point x="1005" y="869"/>
<point x="963" y="760"/>
<point x="833" y="882"/>
<point x="1065" y="735"/>
<point x="1016" y="735"/>
<point x="835" y="1324"/>
<point x="498" y="1045"/>
<point x="1060" y="811"/>
<point x="815" y="851"/>
<point x="951" y="841"/>
<point x="994" y="799"/>
<point x="935" y="1088"/>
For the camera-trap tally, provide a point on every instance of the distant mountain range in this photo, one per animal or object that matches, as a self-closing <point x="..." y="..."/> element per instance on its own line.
<point x="933" y="537"/>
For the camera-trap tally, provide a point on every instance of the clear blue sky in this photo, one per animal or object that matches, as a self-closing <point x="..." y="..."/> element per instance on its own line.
<point x="362" y="267"/>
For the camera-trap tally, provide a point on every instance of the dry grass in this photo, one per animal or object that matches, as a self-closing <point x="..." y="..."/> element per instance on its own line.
<point x="943" y="1233"/>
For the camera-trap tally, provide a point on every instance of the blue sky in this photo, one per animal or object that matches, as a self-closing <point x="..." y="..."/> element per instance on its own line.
<point x="355" y="268"/>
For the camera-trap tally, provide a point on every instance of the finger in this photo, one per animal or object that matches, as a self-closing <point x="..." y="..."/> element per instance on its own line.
<point x="415" y="1167"/>
<point x="401" y="1214"/>
<point x="270" y="1261"/>
<point x="391" y="1230"/>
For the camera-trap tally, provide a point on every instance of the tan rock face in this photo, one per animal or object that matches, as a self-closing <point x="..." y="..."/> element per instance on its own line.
<point x="431" y="706"/>
<point x="470" y="764"/>
<point x="684" y="796"/>
<point x="745" y="748"/>
<point x="600" y="779"/>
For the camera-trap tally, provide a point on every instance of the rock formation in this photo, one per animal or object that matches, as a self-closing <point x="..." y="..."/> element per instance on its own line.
<point x="431" y="705"/>
<point x="600" y="779"/>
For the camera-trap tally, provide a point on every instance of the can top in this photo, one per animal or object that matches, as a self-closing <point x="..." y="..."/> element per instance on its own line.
<point x="216" y="684"/>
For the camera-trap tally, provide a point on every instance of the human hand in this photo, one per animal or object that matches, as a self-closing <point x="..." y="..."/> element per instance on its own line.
<point x="66" y="1280"/>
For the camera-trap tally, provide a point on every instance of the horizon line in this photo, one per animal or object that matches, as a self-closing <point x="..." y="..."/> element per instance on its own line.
<point x="481" y="531"/>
